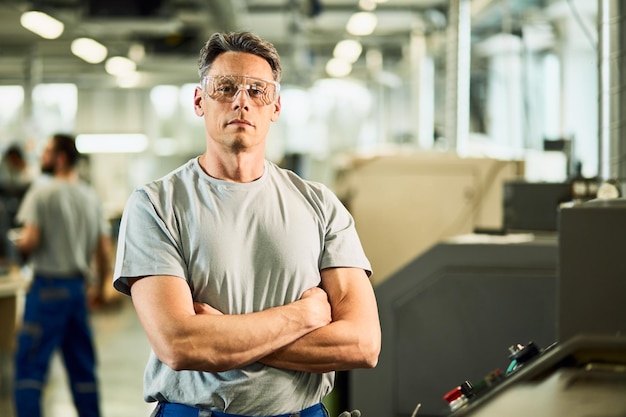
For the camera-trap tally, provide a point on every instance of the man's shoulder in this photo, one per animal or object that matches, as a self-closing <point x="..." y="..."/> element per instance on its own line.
<point x="293" y="177"/>
<point x="183" y="174"/>
<point x="314" y="191"/>
<point x="178" y="181"/>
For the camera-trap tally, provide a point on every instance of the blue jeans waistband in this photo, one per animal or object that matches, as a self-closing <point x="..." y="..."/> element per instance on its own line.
<point x="181" y="410"/>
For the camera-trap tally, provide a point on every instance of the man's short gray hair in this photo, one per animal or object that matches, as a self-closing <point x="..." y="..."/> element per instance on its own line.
<point x="247" y="42"/>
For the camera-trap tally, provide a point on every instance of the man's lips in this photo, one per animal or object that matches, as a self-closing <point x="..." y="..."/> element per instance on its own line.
<point x="240" y="122"/>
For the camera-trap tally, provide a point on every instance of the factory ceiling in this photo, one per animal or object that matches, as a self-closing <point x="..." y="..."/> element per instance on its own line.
<point x="164" y="36"/>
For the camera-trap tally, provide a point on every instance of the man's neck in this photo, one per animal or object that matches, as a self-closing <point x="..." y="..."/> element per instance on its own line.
<point x="241" y="167"/>
<point x="70" y="175"/>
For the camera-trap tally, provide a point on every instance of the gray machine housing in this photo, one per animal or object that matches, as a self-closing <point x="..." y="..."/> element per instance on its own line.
<point x="592" y="269"/>
<point x="450" y="315"/>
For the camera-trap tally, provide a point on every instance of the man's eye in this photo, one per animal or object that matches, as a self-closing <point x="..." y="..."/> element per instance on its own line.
<point x="225" y="88"/>
<point x="257" y="90"/>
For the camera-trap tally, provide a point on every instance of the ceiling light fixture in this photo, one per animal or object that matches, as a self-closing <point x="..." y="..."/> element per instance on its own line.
<point x="137" y="51"/>
<point x="362" y="23"/>
<point x="348" y="49"/>
<point x="337" y="67"/>
<point x="130" y="80"/>
<point x="89" y="50"/>
<point x="119" y="65"/>
<point x="368" y="5"/>
<point x="112" y="143"/>
<point x="42" y="24"/>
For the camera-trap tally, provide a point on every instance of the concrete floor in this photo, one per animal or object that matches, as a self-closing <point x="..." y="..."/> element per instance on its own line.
<point x="122" y="350"/>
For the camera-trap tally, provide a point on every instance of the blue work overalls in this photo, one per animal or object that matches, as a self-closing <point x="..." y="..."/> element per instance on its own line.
<point x="55" y="316"/>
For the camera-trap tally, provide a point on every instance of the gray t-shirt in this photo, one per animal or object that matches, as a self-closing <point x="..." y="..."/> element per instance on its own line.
<point x="70" y="218"/>
<point x="242" y="247"/>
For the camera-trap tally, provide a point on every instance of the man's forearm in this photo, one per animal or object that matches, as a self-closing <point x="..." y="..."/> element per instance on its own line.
<point x="103" y="264"/>
<point x="202" y="339"/>
<point x="351" y="340"/>
<point x="219" y="343"/>
<point x="28" y="239"/>
<point x="338" y="346"/>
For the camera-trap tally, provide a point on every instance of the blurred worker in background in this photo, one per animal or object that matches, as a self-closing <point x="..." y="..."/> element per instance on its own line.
<point x="16" y="175"/>
<point x="250" y="282"/>
<point x="15" y="170"/>
<point x="64" y="235"/>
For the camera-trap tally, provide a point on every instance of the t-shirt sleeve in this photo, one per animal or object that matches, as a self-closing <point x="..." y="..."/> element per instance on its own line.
<point x="27" y="212"/>
<point x="342" y="246"/>
<point x="147" y="243"/>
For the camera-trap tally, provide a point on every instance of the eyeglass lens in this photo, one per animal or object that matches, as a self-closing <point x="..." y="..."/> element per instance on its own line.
<point x="224" y="88"/>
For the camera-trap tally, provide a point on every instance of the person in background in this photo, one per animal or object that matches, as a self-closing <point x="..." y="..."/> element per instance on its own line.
<point x="16" y="176"/>
<point x="14" y="170"/>
<point x="250" y="282"/>
<point x="64" y="235"/>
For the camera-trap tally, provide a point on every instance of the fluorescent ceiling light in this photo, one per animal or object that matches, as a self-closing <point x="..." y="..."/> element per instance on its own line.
<point x="362" y="24"/>
<point x="89" y="50"/>
<point x="348" y="49"/>
<point x="119" y="65"/>
<point x="111" y="143"/>
<point x="42" y="24"/>
<point x="137" y="52"/>
<point x="369" y="5"/>
<point x="337" y="67"/>
<point x="130" y="80"/>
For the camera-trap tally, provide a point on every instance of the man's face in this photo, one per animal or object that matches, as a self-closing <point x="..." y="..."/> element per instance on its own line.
<point x="243" y="123"/>
<point x="48" y="158"/>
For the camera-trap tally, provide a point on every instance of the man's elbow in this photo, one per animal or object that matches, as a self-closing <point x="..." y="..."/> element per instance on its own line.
<point x="369" y="350"/>
<point x="182" y="358"/>
<point x="25" y="248"/>
<point x="171" y="351"/>
<point x="174" y="361"/>
<point x="371" y="361"/>
<point x="370" y="355"/>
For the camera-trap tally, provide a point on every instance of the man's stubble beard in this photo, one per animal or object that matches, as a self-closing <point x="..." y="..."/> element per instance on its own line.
<point x="47" y="169"/>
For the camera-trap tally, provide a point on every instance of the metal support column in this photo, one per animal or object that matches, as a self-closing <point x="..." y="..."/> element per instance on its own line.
<point x="612" y="82"/>
<point x="458" y="74"/>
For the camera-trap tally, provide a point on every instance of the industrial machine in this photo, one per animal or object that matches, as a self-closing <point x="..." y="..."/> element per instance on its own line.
<point x="448" y="316"/>
<point x="584" y="376"/>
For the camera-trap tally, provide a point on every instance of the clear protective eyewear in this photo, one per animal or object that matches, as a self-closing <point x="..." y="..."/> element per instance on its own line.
<point x="224" y="88"/>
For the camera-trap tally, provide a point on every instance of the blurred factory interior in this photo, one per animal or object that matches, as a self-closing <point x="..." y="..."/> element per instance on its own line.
<point x="471" y="141"/>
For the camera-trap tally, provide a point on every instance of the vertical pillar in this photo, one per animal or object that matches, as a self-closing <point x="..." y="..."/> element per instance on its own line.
<point x="458" y="74"/>
<point x="422" y="90"/>
<point x="33" y="70"/>
<point x="576" y="49"/>
<point x="612" y="97"/>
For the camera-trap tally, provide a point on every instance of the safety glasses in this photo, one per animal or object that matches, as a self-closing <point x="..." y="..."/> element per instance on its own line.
<point x="224" y="89"/>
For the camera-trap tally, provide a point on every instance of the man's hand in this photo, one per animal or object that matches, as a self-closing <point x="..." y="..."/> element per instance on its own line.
<point x="350" y="341"/>
<point x="319" y="308"/>
<point x="204" y="308"/>
<point x="315" y="300"/>
<point x="95" y="298"/>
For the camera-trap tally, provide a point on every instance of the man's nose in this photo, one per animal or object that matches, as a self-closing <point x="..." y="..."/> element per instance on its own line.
<point x="241" y="97"/>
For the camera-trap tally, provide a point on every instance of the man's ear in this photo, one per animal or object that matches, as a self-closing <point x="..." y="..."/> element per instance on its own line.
<point x="198" y="96"/>
<point x="60" y="161"/>
<point x="276" y="111"/>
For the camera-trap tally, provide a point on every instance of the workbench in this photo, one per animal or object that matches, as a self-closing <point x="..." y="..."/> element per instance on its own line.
<point x="12" y="286"/>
